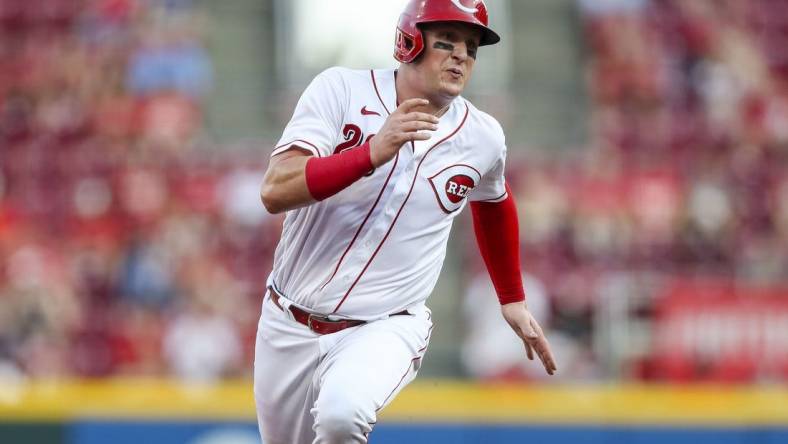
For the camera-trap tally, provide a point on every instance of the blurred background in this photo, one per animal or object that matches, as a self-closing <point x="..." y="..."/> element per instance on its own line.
<point x="648" y="151"/>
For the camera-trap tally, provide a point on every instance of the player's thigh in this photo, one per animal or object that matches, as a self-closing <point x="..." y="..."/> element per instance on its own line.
<point x="365" y="370"/>
<point x="286" y="357"/>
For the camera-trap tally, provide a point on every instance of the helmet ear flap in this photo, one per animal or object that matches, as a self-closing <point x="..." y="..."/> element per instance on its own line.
<point x="408" y="46"/>
<point x="404" y="41"/>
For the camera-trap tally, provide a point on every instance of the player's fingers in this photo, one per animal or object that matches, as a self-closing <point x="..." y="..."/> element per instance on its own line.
<point x="406" y="106"/>
<point x="528" y="350"/>
<point x="424" y="117"/>
<point x="418" y="126"/>
<point x="542" y="348"/>
<point x="415" y="135"/>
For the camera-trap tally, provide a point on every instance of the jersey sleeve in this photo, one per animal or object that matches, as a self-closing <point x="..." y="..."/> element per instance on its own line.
<point x="317" y="117"/>
<point x="492" y="187"/>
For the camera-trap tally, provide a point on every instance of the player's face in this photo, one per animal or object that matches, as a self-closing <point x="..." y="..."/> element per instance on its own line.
<point x="449" y="56"/>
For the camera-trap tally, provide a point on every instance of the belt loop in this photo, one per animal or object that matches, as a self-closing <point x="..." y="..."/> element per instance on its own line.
<point x="286" y="307"/>
<point x="285" y="303"/>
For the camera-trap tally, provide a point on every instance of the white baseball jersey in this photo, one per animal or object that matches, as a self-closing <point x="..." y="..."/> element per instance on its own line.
<point x="377" y="247"/>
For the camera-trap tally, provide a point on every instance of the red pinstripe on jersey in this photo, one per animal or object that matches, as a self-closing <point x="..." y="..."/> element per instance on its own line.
<point x="415" y="176"/>
<point x="375" y="84"/>
<point x="415" y="358"/>
<point x="296" y="142"/>
<point x="369" y="213"/>
<point x="494" y="199"/>
<point x="360" y="227"/>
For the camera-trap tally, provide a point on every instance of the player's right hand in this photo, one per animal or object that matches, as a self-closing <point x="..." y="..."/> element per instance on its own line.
<point x="403" y="125"/>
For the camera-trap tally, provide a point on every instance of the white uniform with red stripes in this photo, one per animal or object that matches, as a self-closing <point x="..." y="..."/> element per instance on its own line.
<point x="374" y="249"/>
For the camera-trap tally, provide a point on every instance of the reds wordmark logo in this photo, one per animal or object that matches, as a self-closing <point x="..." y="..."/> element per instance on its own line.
<point x="453" y="184"/>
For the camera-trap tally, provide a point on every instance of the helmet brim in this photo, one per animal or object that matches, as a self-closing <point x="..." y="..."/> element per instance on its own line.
<point x="489" y="37"/>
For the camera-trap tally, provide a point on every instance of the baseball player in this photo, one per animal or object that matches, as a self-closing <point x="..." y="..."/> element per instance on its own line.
<point x="371" y="171"/>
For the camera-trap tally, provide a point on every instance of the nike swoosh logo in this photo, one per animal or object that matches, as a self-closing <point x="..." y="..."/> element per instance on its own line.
<point x="464" y="8"/>
<point x="366" y="112"/>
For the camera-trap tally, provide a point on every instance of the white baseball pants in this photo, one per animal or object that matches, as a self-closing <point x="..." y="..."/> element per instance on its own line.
<point x="313" y="389"/>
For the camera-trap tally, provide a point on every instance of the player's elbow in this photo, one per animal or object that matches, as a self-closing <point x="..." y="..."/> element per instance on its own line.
<point x="270" y="193"/>
<point x="272" y="202"/>
<point x="283" y="186"/>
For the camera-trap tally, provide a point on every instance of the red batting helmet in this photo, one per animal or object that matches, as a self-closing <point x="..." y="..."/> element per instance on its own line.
<point x="410" y="41"/>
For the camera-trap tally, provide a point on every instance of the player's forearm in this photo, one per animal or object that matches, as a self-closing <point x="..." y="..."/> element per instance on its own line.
<point x="293" y="182"/>
<point x="284" y="186"/>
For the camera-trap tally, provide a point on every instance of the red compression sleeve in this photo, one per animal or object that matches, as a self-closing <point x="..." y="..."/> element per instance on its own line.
<point x="498" y="236"/>
<point x="326" y="176"/>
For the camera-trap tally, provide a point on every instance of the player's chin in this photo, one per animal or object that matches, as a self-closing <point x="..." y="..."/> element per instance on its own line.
<point x="453" y="88"/>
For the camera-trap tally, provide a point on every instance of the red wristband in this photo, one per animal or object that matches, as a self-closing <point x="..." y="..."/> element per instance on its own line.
<point x="498" y="235"/>
<point x="326" y="176"/>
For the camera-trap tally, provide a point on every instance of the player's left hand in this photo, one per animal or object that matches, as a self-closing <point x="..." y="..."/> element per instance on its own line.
<point x="526" y="327"/>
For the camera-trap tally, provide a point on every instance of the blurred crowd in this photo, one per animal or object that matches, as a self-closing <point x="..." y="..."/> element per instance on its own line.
<point x="686" y="171"/>
<point x="128" y="246"/>
<point x="688" y="166"/>
<point x="125" y="248"/>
